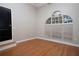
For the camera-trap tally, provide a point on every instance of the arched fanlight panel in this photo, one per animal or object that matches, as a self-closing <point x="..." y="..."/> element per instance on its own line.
<point x="58" y="17"/>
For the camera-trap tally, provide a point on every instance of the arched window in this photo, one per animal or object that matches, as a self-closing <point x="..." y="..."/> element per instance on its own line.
<point x="58" y="17"/>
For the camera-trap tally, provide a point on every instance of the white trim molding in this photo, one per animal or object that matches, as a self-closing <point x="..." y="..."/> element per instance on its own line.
<point x="7" y="47"/>
<point x="5" y="42"/>
<point x="24" y="40"/>
<point x="58" y="41"/>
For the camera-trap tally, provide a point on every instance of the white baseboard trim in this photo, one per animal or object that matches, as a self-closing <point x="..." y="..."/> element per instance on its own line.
<point x="7" y="47"/>
<point x="63" y="42"/>
<point x="5" y="42"/>
<point x="24" y="40"/>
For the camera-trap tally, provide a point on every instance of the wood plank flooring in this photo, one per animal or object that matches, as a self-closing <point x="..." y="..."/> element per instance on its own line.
<point x="37" y="47"/>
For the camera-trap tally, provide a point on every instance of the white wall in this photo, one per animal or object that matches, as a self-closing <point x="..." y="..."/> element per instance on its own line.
<point x="67" y="9"/>
<point x="23" y="20"/>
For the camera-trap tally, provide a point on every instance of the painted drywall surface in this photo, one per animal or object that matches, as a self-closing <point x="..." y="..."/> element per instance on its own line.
<point x="23" y="20"/>
<point x="67" y="9"/>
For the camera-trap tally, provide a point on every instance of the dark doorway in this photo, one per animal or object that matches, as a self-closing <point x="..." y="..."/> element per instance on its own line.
<point x="5" y="24"/>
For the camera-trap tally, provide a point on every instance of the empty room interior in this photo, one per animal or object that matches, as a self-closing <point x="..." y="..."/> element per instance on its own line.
<point x="39" y="29"/>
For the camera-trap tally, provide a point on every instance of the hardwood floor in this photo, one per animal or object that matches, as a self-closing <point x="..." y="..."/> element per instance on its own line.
<point x="37" y="47"/>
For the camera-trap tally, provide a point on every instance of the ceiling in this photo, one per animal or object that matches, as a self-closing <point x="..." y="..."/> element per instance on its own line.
<point x="37" y="5"/>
